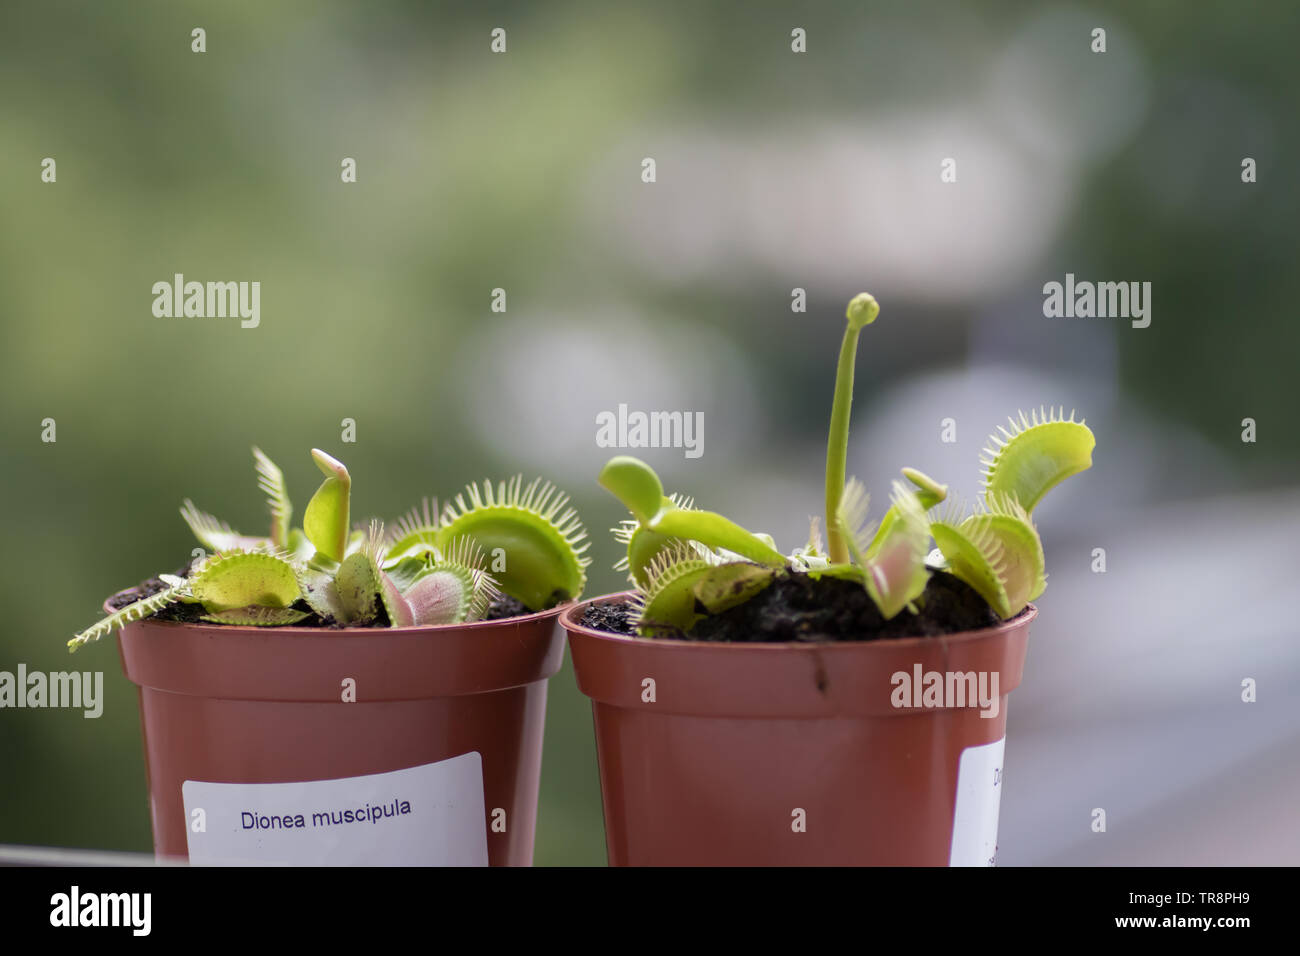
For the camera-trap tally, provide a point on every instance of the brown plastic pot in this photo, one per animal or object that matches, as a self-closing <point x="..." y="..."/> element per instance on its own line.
<point x="794" y="754"/>
<point x="248" y="705"/>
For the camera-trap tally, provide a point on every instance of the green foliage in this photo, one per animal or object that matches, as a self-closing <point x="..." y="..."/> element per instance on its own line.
<point x="236" y="579"/>
<point x="683" y="587"/>
<point x="997" y="551"/>
<point x="257" y="616"/>
<point x="635" y="484"/>
<point x="686" y="563"/>
<point x="894" y="558"/>
<point x="451" y="588"/>
<point x="432" y="571"/>
<point x="132" y="612"/>
<point x="326" y="519"/>
<point x="216" y="535"/>
<point x="359" y="585"/>
<point x="534" y="539"/>
<point x="416" y="530"/>
<point x="632" y="481"/>
<point x="1037" y="454"/>
<point x="271" y="480"/>
<point x="642" y="545"/>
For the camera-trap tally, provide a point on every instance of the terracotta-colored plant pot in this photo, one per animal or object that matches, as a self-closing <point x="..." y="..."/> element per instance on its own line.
<point x="795" y="754"/>
<point x="456" y="711"/>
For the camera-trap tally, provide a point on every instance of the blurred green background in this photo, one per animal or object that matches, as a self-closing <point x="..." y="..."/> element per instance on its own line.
<point x="775" y="171"/>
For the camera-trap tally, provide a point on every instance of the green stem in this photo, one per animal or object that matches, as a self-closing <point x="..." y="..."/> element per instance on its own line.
<point x="862" y="310"/>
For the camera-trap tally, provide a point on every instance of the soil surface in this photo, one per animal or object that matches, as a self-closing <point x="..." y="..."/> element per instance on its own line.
<point x="505" y="606"/>
<point x="501" y="608"/>
<point x="797" y="607"/>
<point x="615" y="618"/>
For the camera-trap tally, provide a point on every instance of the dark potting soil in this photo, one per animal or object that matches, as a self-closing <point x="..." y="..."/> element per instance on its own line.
<point x="615" y="617"/>
<point x="131" y="595"/>
<point x="798" y="607"/>
<point x="501" y="608"/>
<point x="505" y="606"/>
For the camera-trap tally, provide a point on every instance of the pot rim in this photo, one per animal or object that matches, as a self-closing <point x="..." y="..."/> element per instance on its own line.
<point x="306" y="664"/>
<point x="786" y="680"/>
<point x="569" y="620"/>
<point x="354" y="631"/>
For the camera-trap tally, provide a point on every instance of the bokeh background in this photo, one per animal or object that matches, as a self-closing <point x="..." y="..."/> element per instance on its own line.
<point x="775" y="170"/>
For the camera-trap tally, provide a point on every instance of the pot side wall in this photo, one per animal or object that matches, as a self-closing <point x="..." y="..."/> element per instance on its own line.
<point x="740" y="737"/>
<point x="209" y="710"/>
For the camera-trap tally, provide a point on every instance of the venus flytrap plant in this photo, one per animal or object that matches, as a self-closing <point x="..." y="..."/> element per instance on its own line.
<point x="455" y="588"/>
<point x="680" y="557"/>
<point x="533" y="527"/>
<point x="534" y="538"/>
<point x="890" y="560"/>
<point x="686" y="564"/>
<point x="1037" y="454"/>
<point x="270" y="479"/>
<point x="216" y="535"/>
<point x="682" y="586"/>
<point x="433" y="571"/>
<point x="325" y="521"/>
<point x="642" y="545"/>
<point x="635" y="483"/>
<point x="997" y="550"/>
<point x="178" y="588"/>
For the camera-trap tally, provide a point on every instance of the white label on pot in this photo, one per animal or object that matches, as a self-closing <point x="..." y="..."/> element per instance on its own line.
<point x="975" y="818"/>
<point x="422" y="816"/>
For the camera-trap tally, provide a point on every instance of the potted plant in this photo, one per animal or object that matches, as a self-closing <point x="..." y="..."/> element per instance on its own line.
<point x="336" y="695"/>
<point x="842" y="704"/>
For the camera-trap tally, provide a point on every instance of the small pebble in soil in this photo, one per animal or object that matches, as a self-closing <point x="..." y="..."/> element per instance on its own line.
<point x="798" y="607"/>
